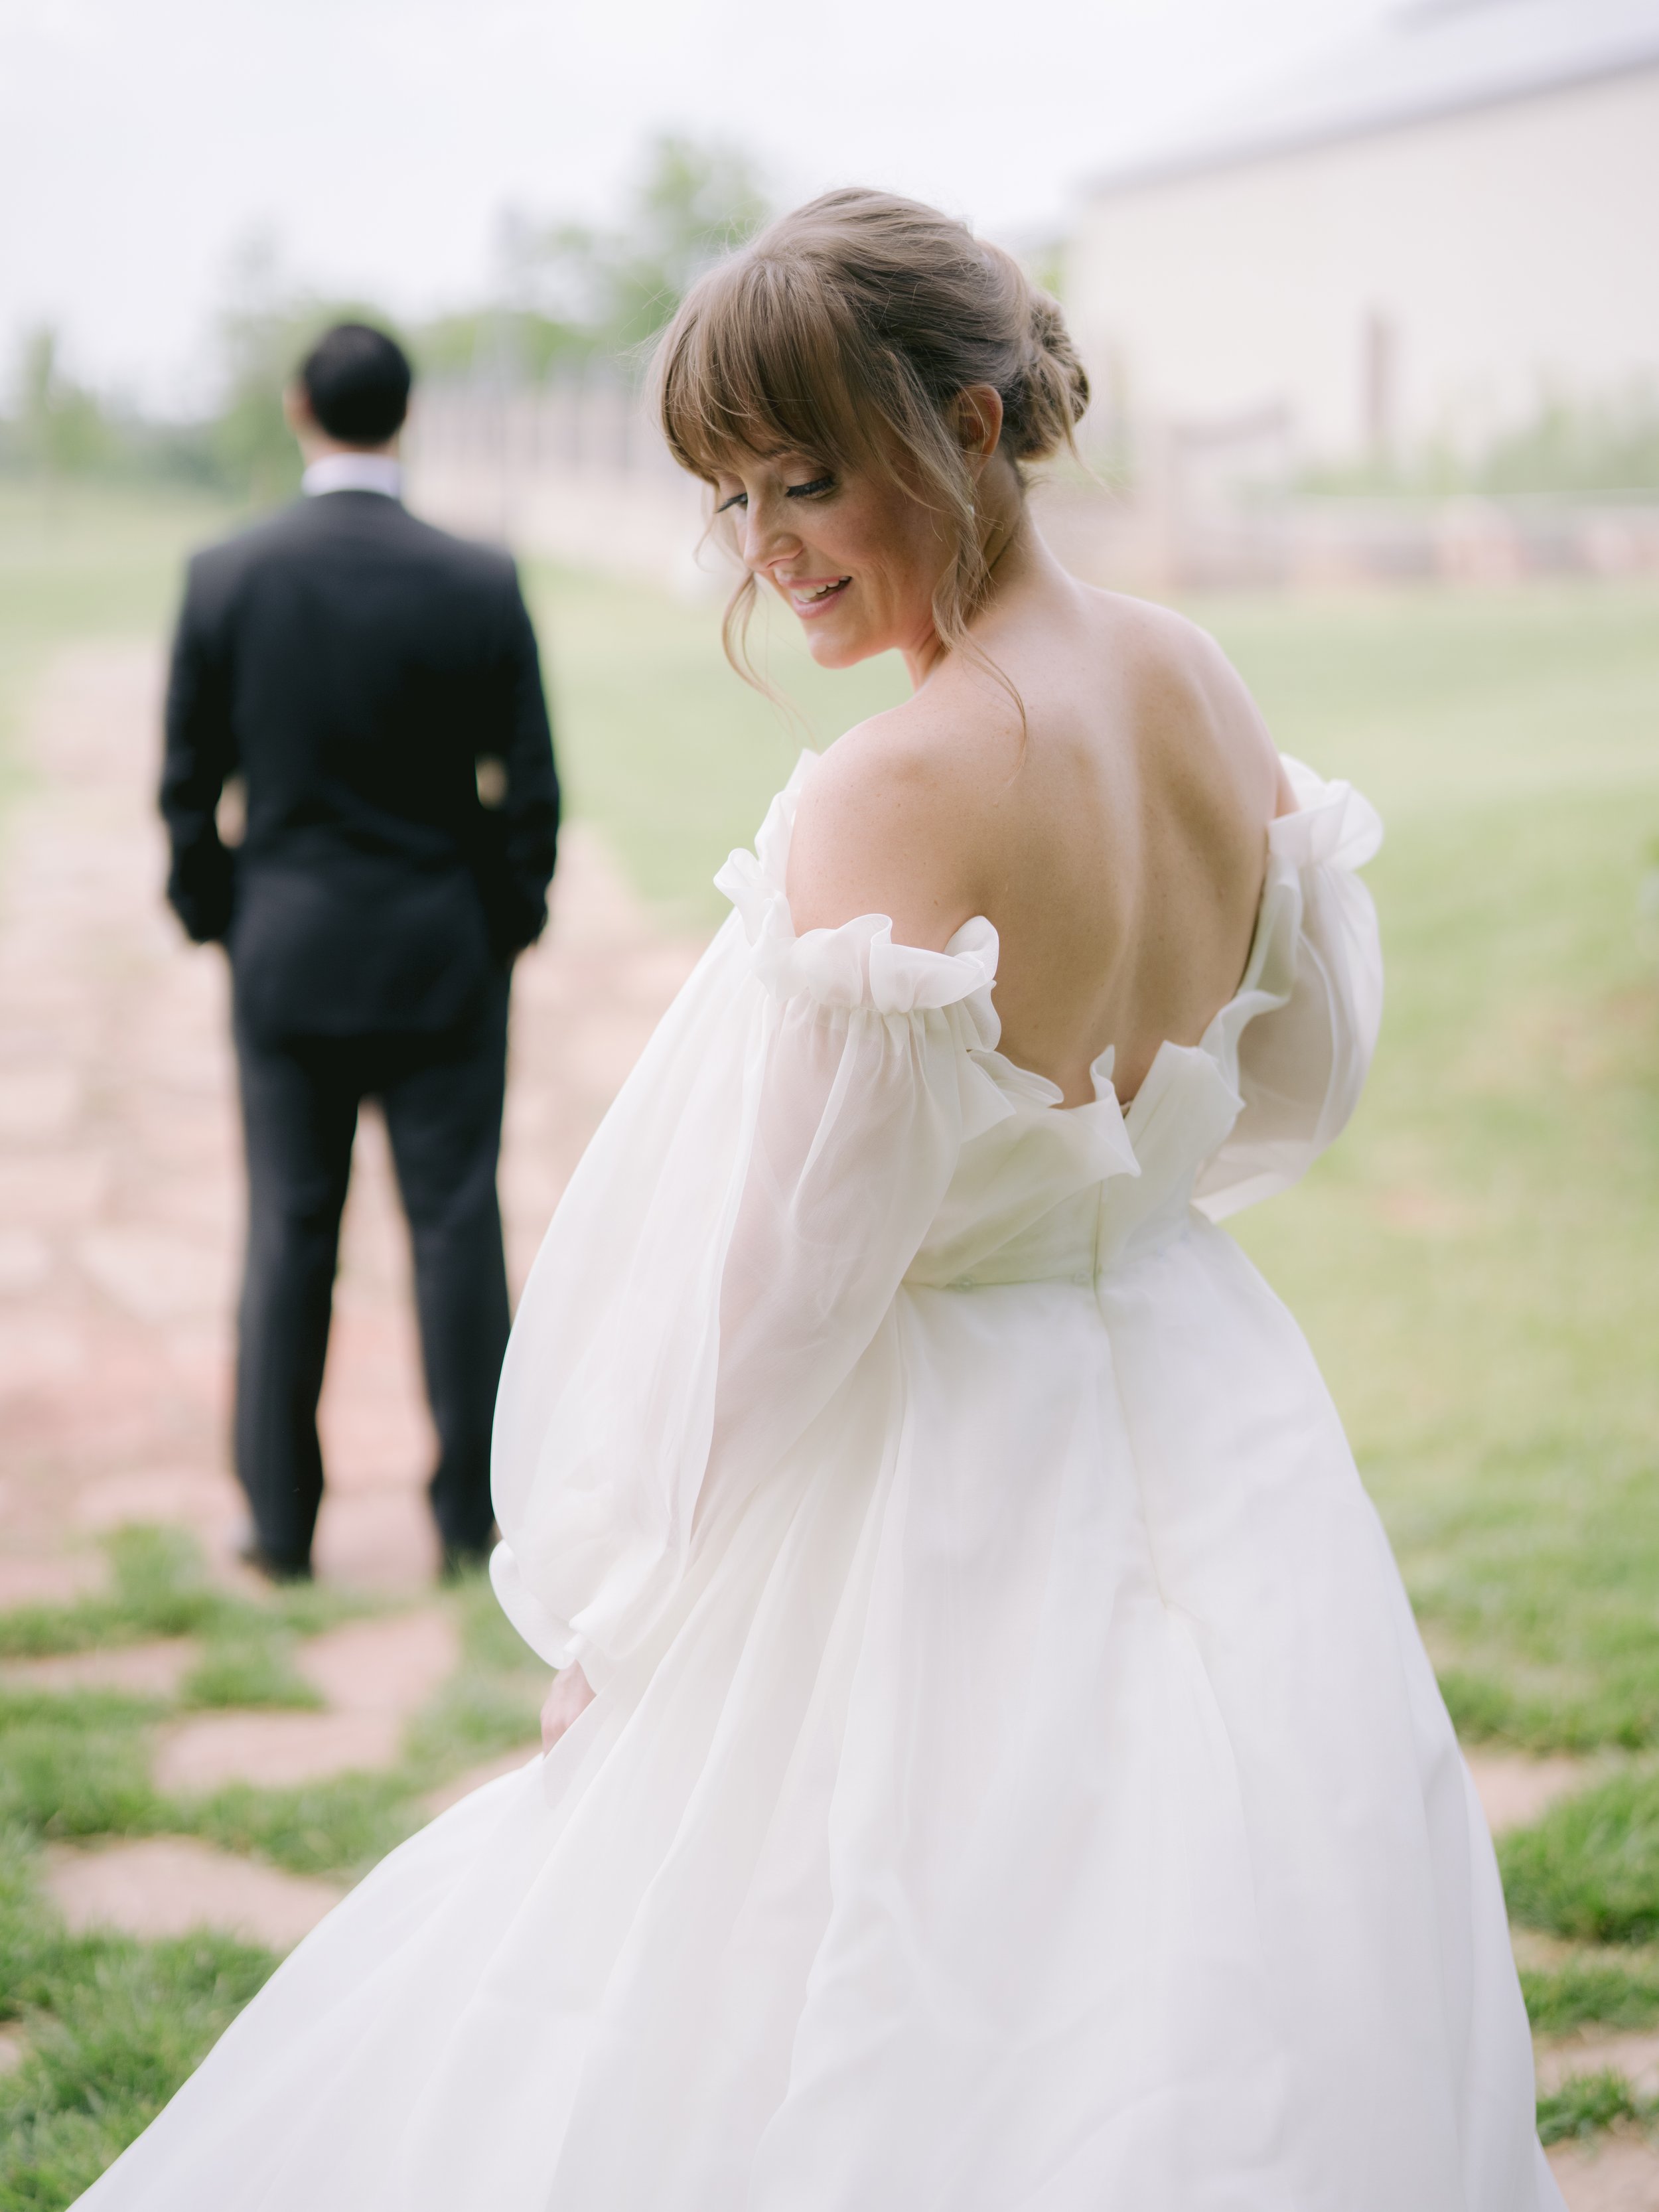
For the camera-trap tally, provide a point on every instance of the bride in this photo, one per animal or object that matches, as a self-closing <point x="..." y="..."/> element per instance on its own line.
<point x="992" y="1765"/>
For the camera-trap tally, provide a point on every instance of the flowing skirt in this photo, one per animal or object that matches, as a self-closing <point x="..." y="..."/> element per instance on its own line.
<point x="1039" y="1802"/>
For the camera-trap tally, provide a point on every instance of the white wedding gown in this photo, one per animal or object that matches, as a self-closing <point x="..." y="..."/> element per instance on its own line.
<point x="1015" y="1784"/>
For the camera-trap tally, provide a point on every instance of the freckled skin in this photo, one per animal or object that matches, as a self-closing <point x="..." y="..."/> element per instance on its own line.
<point x="1117" y="841"/>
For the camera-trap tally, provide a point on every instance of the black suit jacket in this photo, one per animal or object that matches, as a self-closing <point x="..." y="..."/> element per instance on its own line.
<point x="354" y="666"/>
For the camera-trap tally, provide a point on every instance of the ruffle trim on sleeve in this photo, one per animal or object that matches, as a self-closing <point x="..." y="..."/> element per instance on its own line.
<point x="1302" y="945"/>
<point x="1334" y="826"/>
<point x="857" y="964"/>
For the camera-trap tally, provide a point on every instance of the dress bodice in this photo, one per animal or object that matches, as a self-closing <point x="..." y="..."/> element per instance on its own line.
<point x="1044" y="1191"/>
<point x="825" y="1120"/>
<point x="1058" y="1192"/>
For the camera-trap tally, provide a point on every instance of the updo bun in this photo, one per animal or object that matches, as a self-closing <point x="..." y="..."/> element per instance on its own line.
<point x="1051" y="394"/>
<point x="846" y="332"/>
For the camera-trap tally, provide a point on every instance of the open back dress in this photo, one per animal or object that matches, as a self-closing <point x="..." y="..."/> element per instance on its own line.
<point x="1015" y="1782"/>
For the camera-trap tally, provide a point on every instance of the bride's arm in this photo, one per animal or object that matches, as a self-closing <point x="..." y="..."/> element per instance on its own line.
<point x="725" y="1253"/>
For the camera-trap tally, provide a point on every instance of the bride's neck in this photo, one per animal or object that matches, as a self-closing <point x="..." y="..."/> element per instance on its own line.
<point x="1014" y="555"/>
<point x="1005" y="522"/>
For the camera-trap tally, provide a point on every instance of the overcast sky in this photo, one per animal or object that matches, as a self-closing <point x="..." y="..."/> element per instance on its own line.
<point x="144" y="142"/>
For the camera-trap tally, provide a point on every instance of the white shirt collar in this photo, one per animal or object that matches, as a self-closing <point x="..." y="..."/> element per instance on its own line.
<point x="354" y="472"/>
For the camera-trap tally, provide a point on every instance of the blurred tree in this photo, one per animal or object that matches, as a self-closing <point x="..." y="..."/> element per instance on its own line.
<point x="569" y="294"/>
<point x="253" y="447"/>
<point x="692" y="203"/>
<point x="453" y="344"/>
<point x="1607" y="445"/>
<point x="1604" y="443"/>
<point x="62" y="428"/>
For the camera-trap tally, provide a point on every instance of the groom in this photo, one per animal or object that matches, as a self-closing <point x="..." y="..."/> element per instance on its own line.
<point x="375" y="684"/>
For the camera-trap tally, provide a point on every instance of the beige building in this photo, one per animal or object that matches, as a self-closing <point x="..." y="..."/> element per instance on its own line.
<point x="1455" y="215"/>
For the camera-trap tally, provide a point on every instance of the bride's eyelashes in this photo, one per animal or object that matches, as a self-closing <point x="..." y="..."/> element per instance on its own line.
<point x="817" y="489"/>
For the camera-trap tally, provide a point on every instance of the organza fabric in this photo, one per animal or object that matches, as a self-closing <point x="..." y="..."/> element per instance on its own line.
<point x="1016" y="1784"/>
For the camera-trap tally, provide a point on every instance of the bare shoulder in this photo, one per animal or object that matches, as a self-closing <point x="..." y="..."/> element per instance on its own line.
<point x="1184" y="687"/>
<point x="1166" y="654"/>
<point x="893" y="818"/>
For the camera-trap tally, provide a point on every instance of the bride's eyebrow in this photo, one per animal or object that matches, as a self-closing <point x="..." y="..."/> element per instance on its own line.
<point x="730" y="469"/>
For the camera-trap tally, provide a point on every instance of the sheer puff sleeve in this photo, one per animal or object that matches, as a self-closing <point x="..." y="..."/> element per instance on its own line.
<point x="1296" y="1040"/>
<point x="727" y="1249"/>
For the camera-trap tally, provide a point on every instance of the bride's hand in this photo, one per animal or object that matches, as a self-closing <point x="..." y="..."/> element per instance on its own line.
<point x="568" y="1699"/>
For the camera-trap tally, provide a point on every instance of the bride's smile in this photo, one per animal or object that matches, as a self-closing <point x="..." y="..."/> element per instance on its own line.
<point x="847" y="553"/>
<point x="809" y="600"/>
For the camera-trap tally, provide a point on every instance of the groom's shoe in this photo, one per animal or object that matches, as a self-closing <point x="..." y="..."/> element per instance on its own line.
<point x="462" y="1561"/>
<point x="253" y="1553"/>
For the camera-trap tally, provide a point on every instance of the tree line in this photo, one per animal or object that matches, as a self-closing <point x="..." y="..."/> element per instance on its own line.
<point x="573" y="298"/>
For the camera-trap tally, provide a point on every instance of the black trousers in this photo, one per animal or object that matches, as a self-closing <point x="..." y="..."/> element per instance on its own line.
<point x="442" y="1095"/>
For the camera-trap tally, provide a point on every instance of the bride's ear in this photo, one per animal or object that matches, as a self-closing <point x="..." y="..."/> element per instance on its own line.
<point x="979" y="423"/>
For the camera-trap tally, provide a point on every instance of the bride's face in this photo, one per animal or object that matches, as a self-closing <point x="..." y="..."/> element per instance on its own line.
<point x="852" y="556"/>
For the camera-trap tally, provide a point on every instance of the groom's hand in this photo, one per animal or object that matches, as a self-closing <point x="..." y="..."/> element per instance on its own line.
<point x="568" y="1699"/>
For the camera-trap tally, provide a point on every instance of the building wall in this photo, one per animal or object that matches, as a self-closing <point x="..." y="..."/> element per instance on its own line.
<point x="577" y="472"/>
<point x="1425" y="280"/>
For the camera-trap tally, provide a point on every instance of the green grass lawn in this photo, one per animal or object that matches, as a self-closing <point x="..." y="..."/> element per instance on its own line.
<point x="1476" y="1263"/>
<point x="113" y="2025"/>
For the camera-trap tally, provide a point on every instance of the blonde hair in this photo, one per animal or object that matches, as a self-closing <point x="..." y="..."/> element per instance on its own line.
<point x="844" y="333"/>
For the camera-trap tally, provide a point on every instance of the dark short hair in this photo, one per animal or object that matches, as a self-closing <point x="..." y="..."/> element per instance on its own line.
<point x="357" y="381"/>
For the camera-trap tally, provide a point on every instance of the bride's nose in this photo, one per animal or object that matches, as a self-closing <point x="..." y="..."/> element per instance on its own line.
<point x="768" y="533"/>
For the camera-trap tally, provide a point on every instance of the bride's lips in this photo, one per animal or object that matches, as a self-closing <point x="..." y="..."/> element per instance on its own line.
<point x="811" y="595"/>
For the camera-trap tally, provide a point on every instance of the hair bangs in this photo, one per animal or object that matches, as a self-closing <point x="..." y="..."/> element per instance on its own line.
<point x="843" y="335"/>
<point x="758" y="365"/>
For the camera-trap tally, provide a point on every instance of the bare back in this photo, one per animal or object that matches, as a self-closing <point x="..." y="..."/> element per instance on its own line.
<point x="1118" y="843"/>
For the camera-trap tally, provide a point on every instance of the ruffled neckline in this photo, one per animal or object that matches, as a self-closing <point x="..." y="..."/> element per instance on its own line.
<point x="859" y="965"/>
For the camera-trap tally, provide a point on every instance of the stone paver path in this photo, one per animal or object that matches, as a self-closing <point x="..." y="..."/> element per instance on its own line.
<point x="1616" y="2174"/>
<point x="120" y="1204"/>
<point x="1515" y="1790"/>
<point x="273" y="1750"/>
<point x="1635" y="2057"/>
<point x="120" y="1182"/>
<point x="26" y="1580"/>
<point x="168" y="1885"/>
<point x="373" y="1676"/>
<point x="382" y="1666"/>
<point x="142" y="1670"/>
